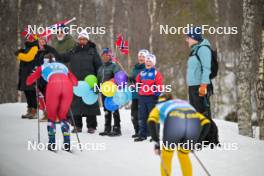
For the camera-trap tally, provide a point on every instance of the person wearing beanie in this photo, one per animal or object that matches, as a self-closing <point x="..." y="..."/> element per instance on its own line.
<point x="199" y="70"/>
<point x="139" y="66"/>
<point x="83" y="60"/>
<point x="63" y="42"/>
<point x="83" y="35"/>
<point x="105" y="73"/>
<point x="26" y="58"/>
<point x="149" y="86"/>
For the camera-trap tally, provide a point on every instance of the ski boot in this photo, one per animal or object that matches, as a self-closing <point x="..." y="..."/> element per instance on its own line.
<point x="51" y="132"/>
<point x="65" y="128"/>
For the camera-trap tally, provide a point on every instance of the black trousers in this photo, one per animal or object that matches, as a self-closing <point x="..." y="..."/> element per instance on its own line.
<point x="91" y="121"/>
<point x="31" y="98"/>
<point x="134" y="115"/>
<point x="201" y="104"/>
<point x="108" y="118"/>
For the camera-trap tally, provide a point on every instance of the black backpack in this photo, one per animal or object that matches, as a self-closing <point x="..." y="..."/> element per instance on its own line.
<point x="214" y="62"/>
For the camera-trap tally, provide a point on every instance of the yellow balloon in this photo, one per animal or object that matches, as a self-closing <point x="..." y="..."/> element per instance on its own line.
<point x="108" y="88"/>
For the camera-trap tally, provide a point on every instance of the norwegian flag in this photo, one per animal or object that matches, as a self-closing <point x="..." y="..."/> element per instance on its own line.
<point x="28" y="35"/>
<point x="50" y="30"/>
<point x="122" y="44"/>
<point x="119" y="40"/>
<point x="41" y="100"/>
<point x="124" y="47"/>
<point x="55" y="27"/>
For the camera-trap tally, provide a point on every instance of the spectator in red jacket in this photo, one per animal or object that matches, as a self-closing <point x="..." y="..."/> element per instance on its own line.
<point x="149" y="86"/>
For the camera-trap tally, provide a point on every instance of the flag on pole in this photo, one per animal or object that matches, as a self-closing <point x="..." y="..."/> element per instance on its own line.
<point x="122" y="44"/>
<point x="53" y="28"/>
<point x="47" y="33"/>
<point x="28" y="35"/>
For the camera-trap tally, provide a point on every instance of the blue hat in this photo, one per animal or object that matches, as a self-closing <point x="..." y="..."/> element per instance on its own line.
<point x="195" y="33"/>
<point x="106" y="51"/>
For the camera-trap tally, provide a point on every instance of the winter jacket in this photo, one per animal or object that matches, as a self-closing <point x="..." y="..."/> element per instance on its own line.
<point x="64" y="45"/>
<point x="195" y="75"/>
<point x="149" y="82"/>
<point x="82" y="61"/>
<point x="107" y="71"/>
<point x="134" y="72"/>
<point x="26" y="57"/>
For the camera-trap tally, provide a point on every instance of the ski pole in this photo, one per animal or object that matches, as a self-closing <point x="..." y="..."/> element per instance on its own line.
<point x="36" y="87"/>
<point x="200" y="162"/>
<point x="72" y="119"/>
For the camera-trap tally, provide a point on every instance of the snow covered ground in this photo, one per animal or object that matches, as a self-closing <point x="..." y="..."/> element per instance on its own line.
<point x="121" y="156"/>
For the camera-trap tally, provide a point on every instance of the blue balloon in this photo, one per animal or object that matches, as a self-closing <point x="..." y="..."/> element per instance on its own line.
<point x="81" y="89"/>
<point x="90" y="97"/>
<point x="120" y="97"/>
<point x="110" y="105"/>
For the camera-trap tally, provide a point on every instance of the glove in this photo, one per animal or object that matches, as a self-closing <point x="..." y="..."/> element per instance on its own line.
<point x="18" y="51"/>
<point x="202" y="90"/>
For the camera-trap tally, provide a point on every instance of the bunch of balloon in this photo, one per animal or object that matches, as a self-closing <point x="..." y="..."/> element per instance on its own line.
<point x="116" y="92"/>
<point x="85" y="90"/>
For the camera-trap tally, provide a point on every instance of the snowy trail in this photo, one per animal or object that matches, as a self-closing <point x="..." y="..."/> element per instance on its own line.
<point x="121" y="155"/>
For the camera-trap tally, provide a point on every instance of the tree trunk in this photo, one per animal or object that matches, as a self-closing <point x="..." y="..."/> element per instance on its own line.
<point x="248" y="56"/>
<point x="260" y="92"/>
<point x="8" y="38"/>
<point x="244" y="110"/>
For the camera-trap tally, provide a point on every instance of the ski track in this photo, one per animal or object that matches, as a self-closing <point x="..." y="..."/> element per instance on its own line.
<point x="121" y="155"/>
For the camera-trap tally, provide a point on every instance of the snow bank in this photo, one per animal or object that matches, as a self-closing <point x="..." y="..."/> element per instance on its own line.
<point x="121" y="155"/>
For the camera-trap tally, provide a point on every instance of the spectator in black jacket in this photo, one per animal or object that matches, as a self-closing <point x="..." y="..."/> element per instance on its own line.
<point x="83" y="60"/>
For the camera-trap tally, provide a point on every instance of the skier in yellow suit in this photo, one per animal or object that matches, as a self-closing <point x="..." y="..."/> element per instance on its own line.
<point x="182" y="125"/>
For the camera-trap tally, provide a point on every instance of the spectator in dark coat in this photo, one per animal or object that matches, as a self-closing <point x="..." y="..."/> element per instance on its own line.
<point x="26" y="57"/>
<point x="83" y="60"/>
<point x="105" y="73"/>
